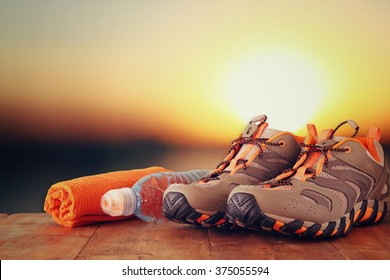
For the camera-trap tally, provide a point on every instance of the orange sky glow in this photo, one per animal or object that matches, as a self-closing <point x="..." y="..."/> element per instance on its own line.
<point x="190" y="73"/>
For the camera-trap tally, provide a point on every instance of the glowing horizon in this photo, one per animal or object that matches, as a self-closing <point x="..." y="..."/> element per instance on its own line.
<point x="190" y="73"/>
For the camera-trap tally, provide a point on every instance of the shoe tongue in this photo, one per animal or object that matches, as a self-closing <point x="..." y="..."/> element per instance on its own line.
<point x="257" y="128"/>
<point x="269" y="133"/>
<point x="255" y="131"/>
<point x="326" y="138"/>
<point x="261" y="131"/>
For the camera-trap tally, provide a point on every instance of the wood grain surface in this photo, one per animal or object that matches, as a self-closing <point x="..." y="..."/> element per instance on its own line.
<point x="37" y="236"/>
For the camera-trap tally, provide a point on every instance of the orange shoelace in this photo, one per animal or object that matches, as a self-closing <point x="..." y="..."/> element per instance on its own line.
<point x="233" y="151"/>
<point x="303" y="168"/>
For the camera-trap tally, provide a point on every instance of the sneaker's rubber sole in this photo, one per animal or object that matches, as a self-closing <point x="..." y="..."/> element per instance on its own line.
<point x="176" y="208"/>
<point x="244" y="211"/>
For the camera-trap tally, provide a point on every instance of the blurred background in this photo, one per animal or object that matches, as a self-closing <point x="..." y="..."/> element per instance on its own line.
<point x="94" y="86"/>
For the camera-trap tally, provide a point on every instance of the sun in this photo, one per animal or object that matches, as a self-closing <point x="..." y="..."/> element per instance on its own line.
<point x="285" y="86"/>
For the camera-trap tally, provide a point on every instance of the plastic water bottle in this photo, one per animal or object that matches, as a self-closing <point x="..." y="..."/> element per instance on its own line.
<point x="145" y="198"/>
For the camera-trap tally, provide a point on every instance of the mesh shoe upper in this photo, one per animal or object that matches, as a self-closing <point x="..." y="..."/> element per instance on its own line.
<point x="258" y="155"/>
<point x="334" y="177"/>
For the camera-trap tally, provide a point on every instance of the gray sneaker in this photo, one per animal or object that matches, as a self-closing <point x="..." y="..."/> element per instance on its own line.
<point x="337" y="182"/>
<point x="258" y="155"/>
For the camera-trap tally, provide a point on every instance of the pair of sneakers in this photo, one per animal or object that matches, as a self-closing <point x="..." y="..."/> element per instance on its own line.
<point x="318" y="185"/>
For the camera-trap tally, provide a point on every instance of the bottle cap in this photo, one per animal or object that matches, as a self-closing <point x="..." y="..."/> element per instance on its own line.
<point x="120" y="202"/>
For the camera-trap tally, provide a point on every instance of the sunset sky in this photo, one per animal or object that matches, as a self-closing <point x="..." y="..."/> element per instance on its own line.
<point x="190" y="72"/>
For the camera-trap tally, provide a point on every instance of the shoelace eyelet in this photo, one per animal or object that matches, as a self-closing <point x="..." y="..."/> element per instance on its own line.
<point x="282" y="143"/>
<point x="348" y="149"/>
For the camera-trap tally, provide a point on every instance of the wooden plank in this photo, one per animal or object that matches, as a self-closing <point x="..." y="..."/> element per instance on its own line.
<point x="366" y="243"/>
<point x="136" y="239"/>
<point x="37" y="236"/>
<point x="3" y="215"/>
<point x="247" y="244"/>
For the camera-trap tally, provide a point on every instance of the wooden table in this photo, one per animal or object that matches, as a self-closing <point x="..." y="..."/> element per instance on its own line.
<point x="37" y="236"/>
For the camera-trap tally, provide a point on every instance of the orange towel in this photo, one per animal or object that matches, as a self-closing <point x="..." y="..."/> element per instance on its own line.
<point x="76" y="202"/>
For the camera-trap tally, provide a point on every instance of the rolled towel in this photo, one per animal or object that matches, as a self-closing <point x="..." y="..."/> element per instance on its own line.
<point x="76" y="202"/>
